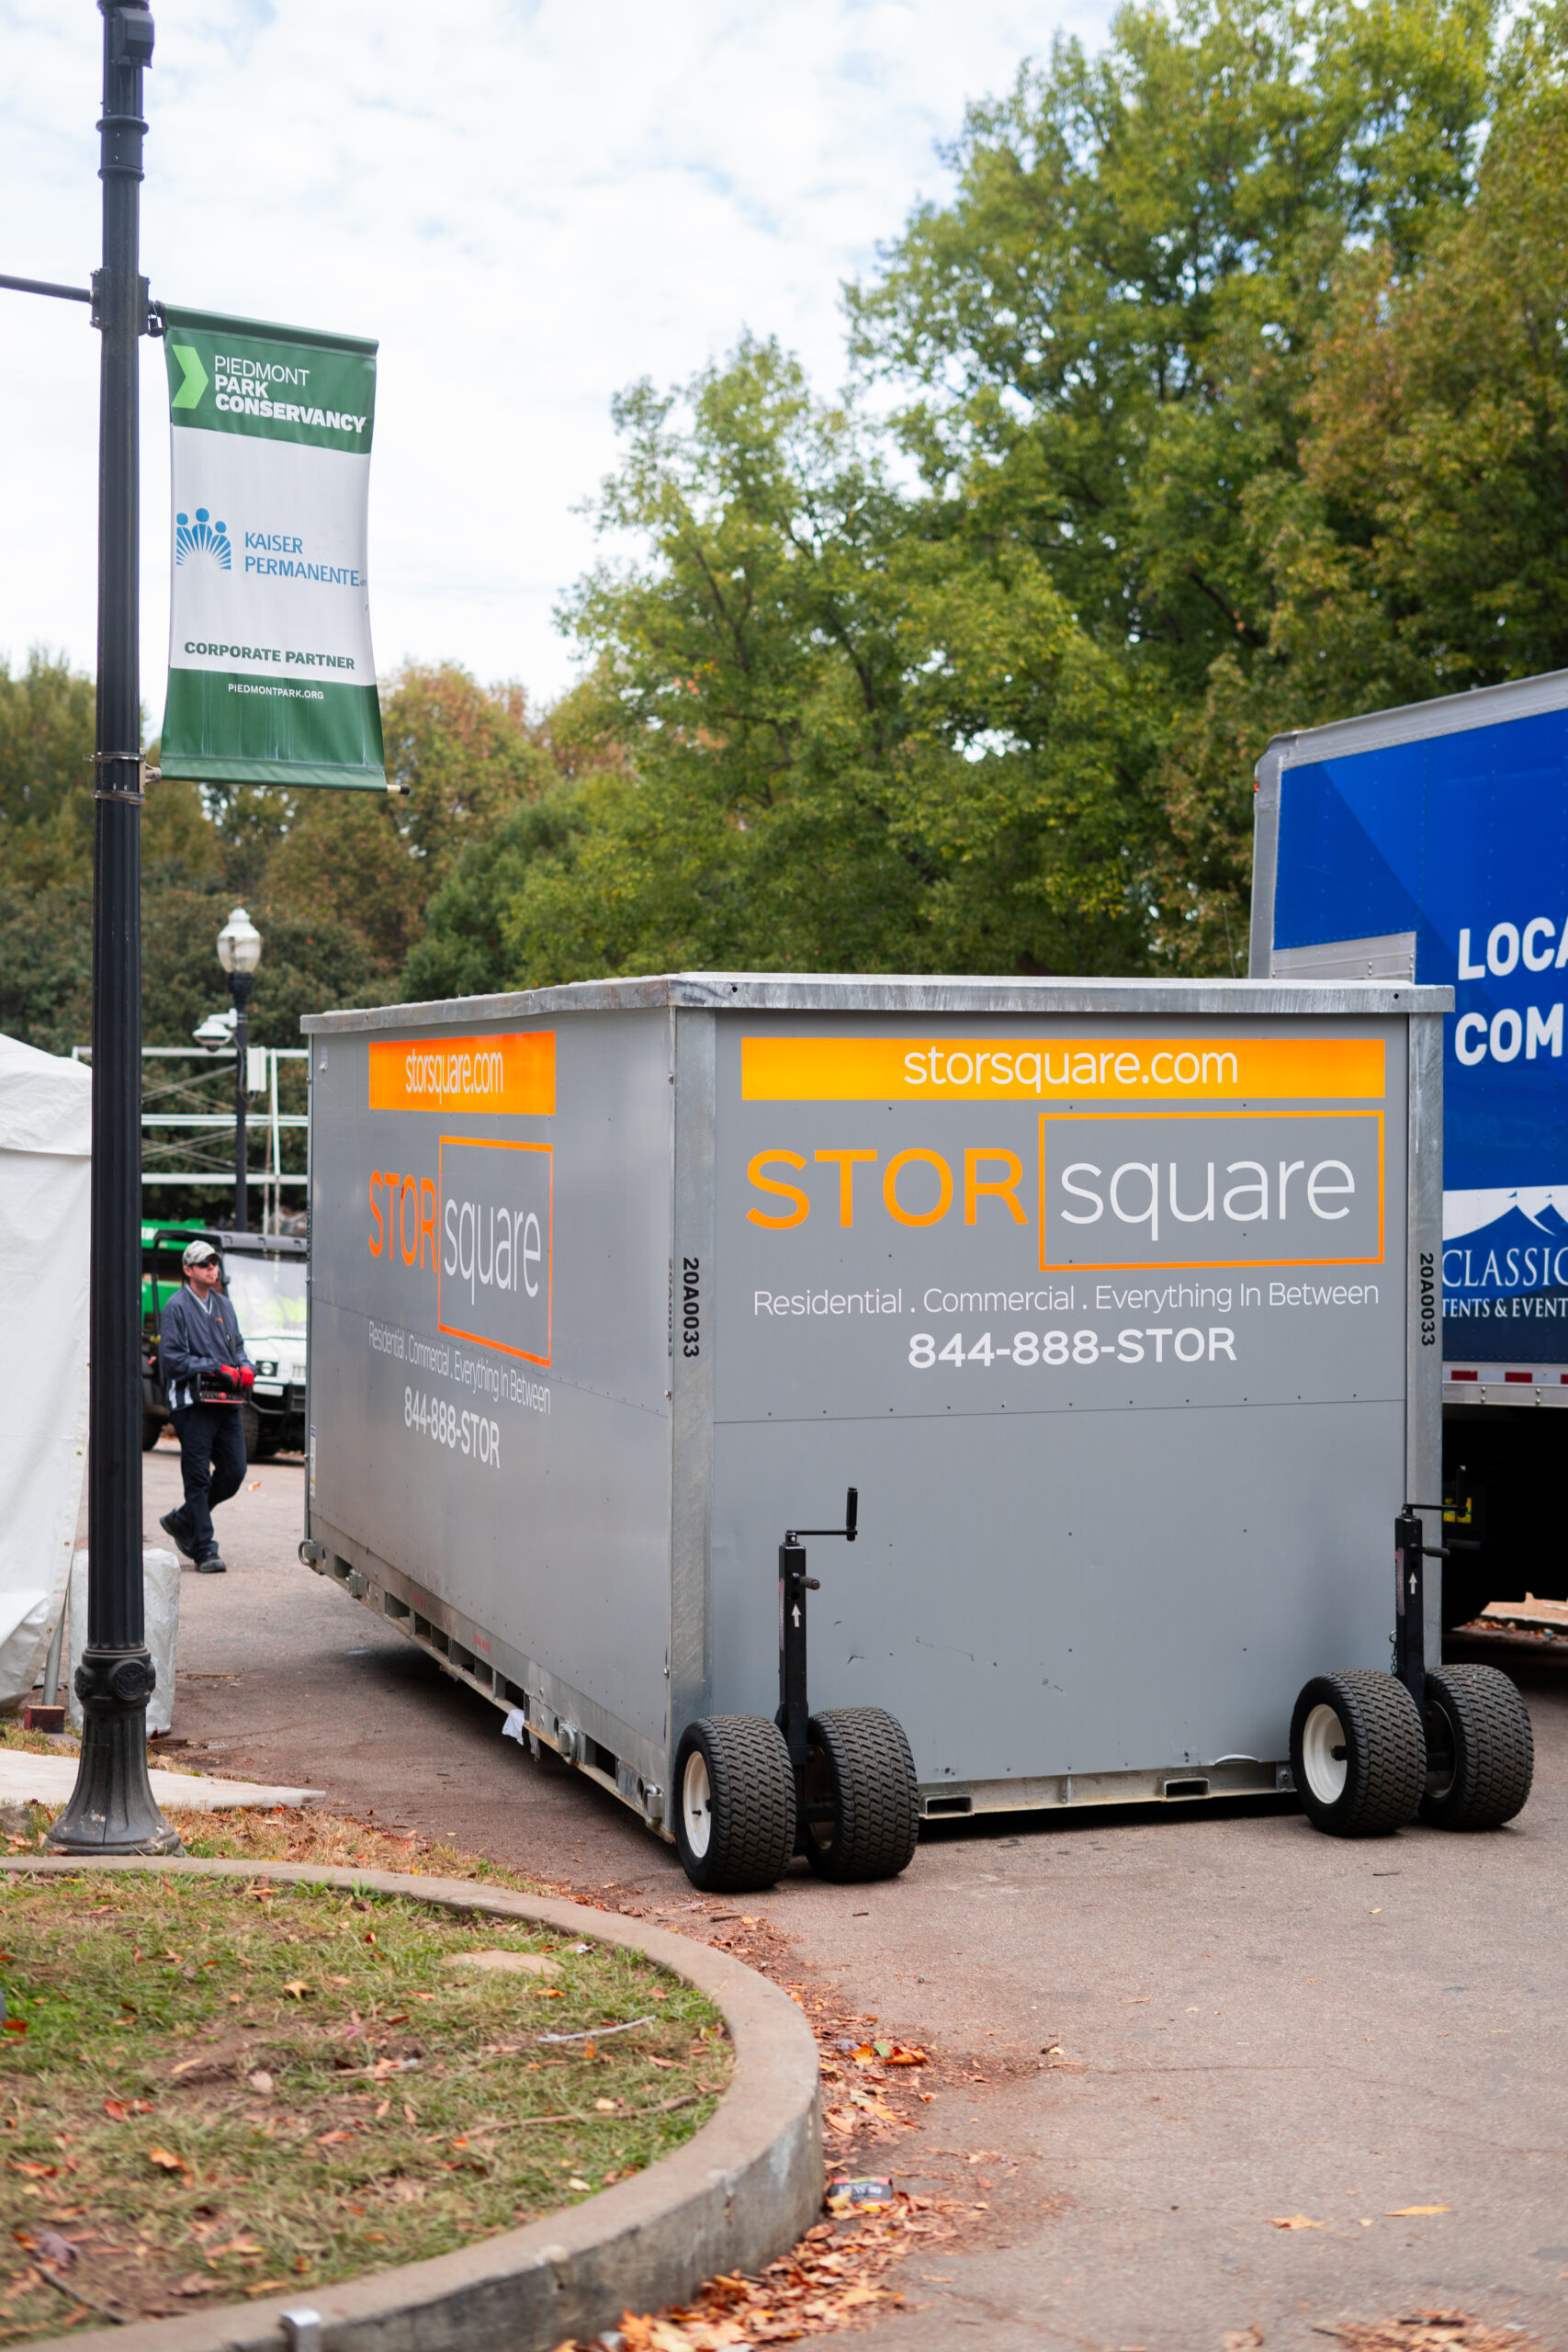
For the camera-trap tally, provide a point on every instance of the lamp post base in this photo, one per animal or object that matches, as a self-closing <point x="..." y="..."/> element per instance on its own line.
<point x="112" y="1808"/>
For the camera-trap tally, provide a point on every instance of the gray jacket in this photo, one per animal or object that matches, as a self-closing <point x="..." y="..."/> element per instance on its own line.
<point x="196" y="1337"/>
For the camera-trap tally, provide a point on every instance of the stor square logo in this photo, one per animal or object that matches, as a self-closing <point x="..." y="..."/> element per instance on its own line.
<point x="494" y="1269"/>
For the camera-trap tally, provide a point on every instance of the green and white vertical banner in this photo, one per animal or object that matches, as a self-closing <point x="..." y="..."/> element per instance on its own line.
<point x="272" y="679"/>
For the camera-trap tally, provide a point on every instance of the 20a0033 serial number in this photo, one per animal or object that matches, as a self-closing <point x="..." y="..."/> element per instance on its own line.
<point x="444" y="1424"/>
<point x="1189" y="1345"/>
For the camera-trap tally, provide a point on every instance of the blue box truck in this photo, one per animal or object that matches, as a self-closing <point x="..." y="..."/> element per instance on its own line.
<point x="1430" y="843"/>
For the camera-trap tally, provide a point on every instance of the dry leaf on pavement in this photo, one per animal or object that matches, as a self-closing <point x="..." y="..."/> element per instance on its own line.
<point x="1430" y="2331"/>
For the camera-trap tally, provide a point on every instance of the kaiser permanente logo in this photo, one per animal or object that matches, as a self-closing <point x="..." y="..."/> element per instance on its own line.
<point x="279" y="554"/>
<point x="245" y="387"/>
<point x="203" y="542"/>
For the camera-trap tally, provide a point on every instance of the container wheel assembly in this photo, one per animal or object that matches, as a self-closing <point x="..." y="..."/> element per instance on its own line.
<point x="733" y="1803"/>
<point x="1357" y="1753"/>
<point x="861" y="1815"/>
<point x="838" y="1787"/>
<point x="1369" y="1751"/>
<point x="1480" y="1749"/>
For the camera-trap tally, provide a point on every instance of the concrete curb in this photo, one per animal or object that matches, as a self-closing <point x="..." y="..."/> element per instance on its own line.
<point x="740" y="2191"/>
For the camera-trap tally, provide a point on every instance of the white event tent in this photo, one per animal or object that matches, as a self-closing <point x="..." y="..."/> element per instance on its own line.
<point x="45" y="1177"/>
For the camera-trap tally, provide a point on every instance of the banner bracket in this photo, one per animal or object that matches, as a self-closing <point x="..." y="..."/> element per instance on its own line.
<point x="144" y="775"/>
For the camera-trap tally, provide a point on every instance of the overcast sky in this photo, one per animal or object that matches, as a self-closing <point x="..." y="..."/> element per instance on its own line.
<point x="530" y="202"/>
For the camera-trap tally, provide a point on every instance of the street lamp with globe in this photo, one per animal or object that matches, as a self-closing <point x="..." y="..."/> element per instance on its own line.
<point x="238" y="952"/>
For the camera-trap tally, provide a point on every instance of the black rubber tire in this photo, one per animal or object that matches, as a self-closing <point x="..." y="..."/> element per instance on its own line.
<point x="733" y="1803"/>
<point x="1480" y="1749"/>
<point x="862" y="1766"/>
<point x="152" y="1431"/>
<point x="1360" y="1730"/>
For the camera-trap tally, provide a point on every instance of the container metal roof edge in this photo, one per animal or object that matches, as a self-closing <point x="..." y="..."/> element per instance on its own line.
<point x="882" y="993"/>
<point x="1414" y="722"/>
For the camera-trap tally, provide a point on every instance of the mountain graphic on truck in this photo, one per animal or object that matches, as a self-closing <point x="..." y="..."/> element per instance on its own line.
<point x="1520" y="1255"/>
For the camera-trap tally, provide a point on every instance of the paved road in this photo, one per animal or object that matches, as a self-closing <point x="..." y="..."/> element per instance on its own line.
<point x="1253" y="2021"/>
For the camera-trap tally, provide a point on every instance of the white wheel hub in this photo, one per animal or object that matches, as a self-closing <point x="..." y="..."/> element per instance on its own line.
<point x="697" y="1804"/>
<point x="1322" y="1754"/>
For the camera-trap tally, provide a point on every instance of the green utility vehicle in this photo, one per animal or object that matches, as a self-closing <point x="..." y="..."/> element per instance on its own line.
<point x="264" y="1274"/>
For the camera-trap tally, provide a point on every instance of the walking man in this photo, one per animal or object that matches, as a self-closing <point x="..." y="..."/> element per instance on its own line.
<point x="206" y="1375"/>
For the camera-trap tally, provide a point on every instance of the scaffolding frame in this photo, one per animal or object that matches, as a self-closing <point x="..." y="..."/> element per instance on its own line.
<point x="261" y="1078"/>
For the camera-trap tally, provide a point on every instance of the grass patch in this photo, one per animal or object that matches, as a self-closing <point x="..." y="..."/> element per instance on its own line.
<point x="223" y="2087"/>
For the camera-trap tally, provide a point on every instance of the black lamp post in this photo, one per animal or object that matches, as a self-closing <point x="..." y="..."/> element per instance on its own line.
<point x="112" y="1809"/>
<point x="238" y="952"/>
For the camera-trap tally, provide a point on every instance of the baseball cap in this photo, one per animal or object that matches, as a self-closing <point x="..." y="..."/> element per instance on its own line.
<point x="199" y="1253"/>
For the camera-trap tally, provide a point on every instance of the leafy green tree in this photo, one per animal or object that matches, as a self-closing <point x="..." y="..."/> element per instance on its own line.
<point x="1002" y="717"/>
<point x="1108" y="332"/>
<point x="46" y="775"/>
<point x="1419" y="546"/>
<point x="464" y="754"/>
<point x="821" y="737"/>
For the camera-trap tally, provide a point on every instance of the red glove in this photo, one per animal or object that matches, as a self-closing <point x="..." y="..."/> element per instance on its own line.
<point x="246" y="1377"/>
<point x="230" y="1375"/>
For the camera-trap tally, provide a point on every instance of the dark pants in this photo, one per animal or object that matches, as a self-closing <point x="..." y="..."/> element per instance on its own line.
<point x="213" y="1463"/>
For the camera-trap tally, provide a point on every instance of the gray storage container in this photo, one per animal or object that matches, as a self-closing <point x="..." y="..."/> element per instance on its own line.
<point x="1116" y="1301"/>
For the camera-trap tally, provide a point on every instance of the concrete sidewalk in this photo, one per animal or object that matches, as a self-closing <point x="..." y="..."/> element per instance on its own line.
<point x="1180" y="2031"/>
<point x="30" y="1779"/>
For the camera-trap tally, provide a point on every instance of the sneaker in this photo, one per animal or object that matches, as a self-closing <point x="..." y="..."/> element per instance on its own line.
<point x="178" y="1535"/>
<point x="212" y="1564"/>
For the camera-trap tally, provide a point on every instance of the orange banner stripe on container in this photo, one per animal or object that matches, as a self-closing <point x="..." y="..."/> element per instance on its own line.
<point x="1062" y="1069"/>
<point x="514" y="1075"/>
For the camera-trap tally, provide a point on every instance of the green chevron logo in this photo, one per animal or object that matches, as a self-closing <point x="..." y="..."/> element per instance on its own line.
<point x="194" y="373"/>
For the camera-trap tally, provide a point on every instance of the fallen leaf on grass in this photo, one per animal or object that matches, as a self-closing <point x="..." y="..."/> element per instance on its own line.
<point x="119" y="2108"/>
<point x="261" y="2081"/>
<point x="167" y="2160"/>
<point x="1294" y="2222"/>
<point x="15" y="2025"/>
<point x="330" y="2139"/>
<point x="297" y="1988"/>
<point x="35" y="2172"/>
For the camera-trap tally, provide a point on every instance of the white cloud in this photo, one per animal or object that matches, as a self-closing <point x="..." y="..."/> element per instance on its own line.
<point x="529" y="202"/>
